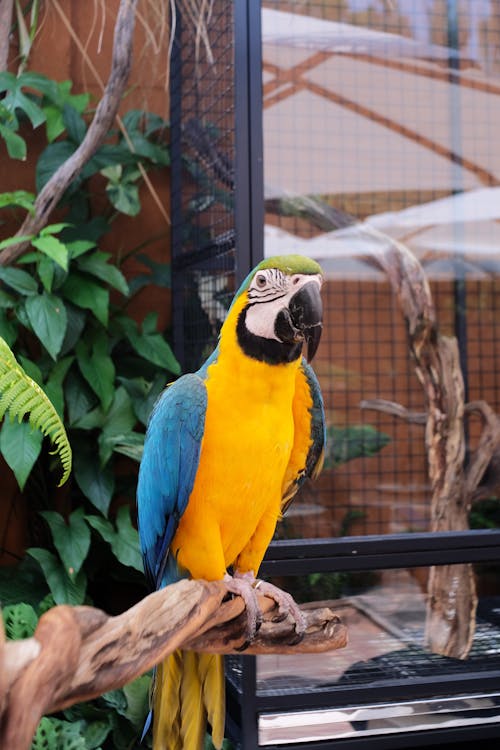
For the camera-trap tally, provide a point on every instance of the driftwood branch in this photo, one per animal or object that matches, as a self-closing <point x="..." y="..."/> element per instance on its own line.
<point x="452" y="599"/>
<point x="53" y="190"/>
<point x="78" y="653"/>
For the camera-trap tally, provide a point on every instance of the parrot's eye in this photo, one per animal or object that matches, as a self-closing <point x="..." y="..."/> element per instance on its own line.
<point x="260" y="281"/>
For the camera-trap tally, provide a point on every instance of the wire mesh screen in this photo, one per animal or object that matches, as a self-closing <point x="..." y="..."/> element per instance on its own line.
<point x="202" y="91"/>
<point x="383" y="117"/>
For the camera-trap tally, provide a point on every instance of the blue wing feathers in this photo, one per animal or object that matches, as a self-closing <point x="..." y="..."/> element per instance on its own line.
<point x="168" y="469"/>
<point x="318" y="422"/>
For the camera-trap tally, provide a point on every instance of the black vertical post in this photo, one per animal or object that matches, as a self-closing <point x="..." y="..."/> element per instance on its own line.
<point x="249" y="184"/>
<point x="249" y="716"/>
<point x="175" y="88"/>
<point x="460" y="294"/>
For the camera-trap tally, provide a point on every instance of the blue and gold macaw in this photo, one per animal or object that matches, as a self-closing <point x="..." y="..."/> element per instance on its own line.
<point x="226" y="450"/>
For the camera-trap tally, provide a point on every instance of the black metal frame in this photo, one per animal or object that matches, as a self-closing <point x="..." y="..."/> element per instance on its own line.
<point x="301" y="557"/>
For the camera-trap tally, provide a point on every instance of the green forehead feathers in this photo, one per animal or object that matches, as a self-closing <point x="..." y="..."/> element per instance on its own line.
<point x="290" y="264"/>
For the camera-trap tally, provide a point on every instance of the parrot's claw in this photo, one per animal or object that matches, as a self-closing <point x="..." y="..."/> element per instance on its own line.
<point x="247" y="586"/>
<point x="243" y="585"/>
<point x="286" y="603"/>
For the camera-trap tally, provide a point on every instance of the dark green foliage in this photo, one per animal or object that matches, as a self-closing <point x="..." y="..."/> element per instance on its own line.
<point x="485" y="514"/>
<point x="64" y="314"/>
<point x="355" y="441"/>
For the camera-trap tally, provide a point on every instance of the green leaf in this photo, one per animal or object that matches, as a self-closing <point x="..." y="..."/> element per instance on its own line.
<point x="20" y="620"/>
<point x="46" y="272"/>
<point x="74" y="123"/>
<point x="87" y="294"/>
<point x="143" y="394"/>
<point x="71" y="539"/>
<point x="8" y="241"/>
<point x="97" y="484"/>
<point x="20" y="445"/>
<point x="8" y="329"/>
<point x="46" y="736"/>
<point x="96" y="732"/>
<point x="21" y="198"/>
<point x="137" y="695"/>
<point x="54" y="385"/>
<point x="63" y="589"/>
<point x="155" y="349"/>
<point x="16" y="146"/>
<point x="47" y="316"/>
<point x="98" y="370"/>
<point x="120" y="421"/>
<point x="80" y="399"/>
<point x="130" y="445"/>
<point x="16" y="99"/>
<point x="79" y="247"/>
<point x="150" y="323"/>
<point x="51" y="159"/>
<point x="76" y="323"/>
<point x="156" y="153"/>
<point x="53" y="248"/>
<point x="54" y="124"/>
<point x="97" y="264"/>
<point x="6" y="300"/>
<point x="124" y="541"/>
<point x="124" y="196"/>
<point x="19" y="280"/>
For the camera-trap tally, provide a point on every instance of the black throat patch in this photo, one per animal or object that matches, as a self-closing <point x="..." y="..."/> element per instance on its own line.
<point x="271" y="351"/>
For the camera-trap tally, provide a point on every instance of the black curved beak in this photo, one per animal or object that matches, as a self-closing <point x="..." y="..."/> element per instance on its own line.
<point x="302" y="321"/>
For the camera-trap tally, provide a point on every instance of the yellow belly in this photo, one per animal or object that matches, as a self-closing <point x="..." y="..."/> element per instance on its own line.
<point x="246" y="447"/>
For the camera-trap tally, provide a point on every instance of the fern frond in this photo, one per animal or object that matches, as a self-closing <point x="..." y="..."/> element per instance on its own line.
<point x="21" y="396"/>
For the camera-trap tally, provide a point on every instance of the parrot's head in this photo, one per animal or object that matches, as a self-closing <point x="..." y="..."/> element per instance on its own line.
<point x="279" y="309"/>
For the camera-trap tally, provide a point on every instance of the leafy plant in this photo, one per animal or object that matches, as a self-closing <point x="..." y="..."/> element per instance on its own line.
<point x="68" y="338"/>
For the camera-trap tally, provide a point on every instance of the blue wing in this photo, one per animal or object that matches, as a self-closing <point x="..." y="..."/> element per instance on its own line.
<point x="167" y="472"/>
<point x="316" y="454"/>
<point x="316" y="437"/>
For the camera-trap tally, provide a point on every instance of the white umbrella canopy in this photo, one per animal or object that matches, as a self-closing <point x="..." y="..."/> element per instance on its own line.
<point x="352" y="110"/>
<point x="453" y="236"/>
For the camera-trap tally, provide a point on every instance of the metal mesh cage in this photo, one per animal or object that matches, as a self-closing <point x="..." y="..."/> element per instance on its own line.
<point x="203" y="157"/>
<point x="371" y="118"/>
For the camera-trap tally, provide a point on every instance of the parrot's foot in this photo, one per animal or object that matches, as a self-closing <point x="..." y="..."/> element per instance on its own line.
<point x="286" y="603"/>
<point x="247" y="586"/>
<point x="243" y="585"/>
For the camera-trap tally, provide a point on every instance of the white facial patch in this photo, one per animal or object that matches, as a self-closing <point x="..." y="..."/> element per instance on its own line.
<point x="271" y="291"/>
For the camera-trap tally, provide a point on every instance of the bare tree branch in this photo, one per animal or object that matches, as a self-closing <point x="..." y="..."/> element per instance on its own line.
<point x="78" y="653"/>
<point x="394" y="409"/>
<point x="51" y="193"/>
<point x="6" y="13"/>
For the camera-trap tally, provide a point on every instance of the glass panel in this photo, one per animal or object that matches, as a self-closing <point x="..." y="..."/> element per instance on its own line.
<point x="371" y="130"/>
<point x="385" y="612"/>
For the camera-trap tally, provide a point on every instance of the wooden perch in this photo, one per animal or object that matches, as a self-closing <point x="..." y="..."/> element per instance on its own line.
<point x="78" y="653"/>
<point x="53" y="190"/>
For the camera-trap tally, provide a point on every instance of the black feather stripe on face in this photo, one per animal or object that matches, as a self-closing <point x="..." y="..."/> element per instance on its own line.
<point x="271" y="351"/>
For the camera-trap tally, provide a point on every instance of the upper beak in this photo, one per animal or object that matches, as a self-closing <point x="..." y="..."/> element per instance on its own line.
<point x="306" y="313"/>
